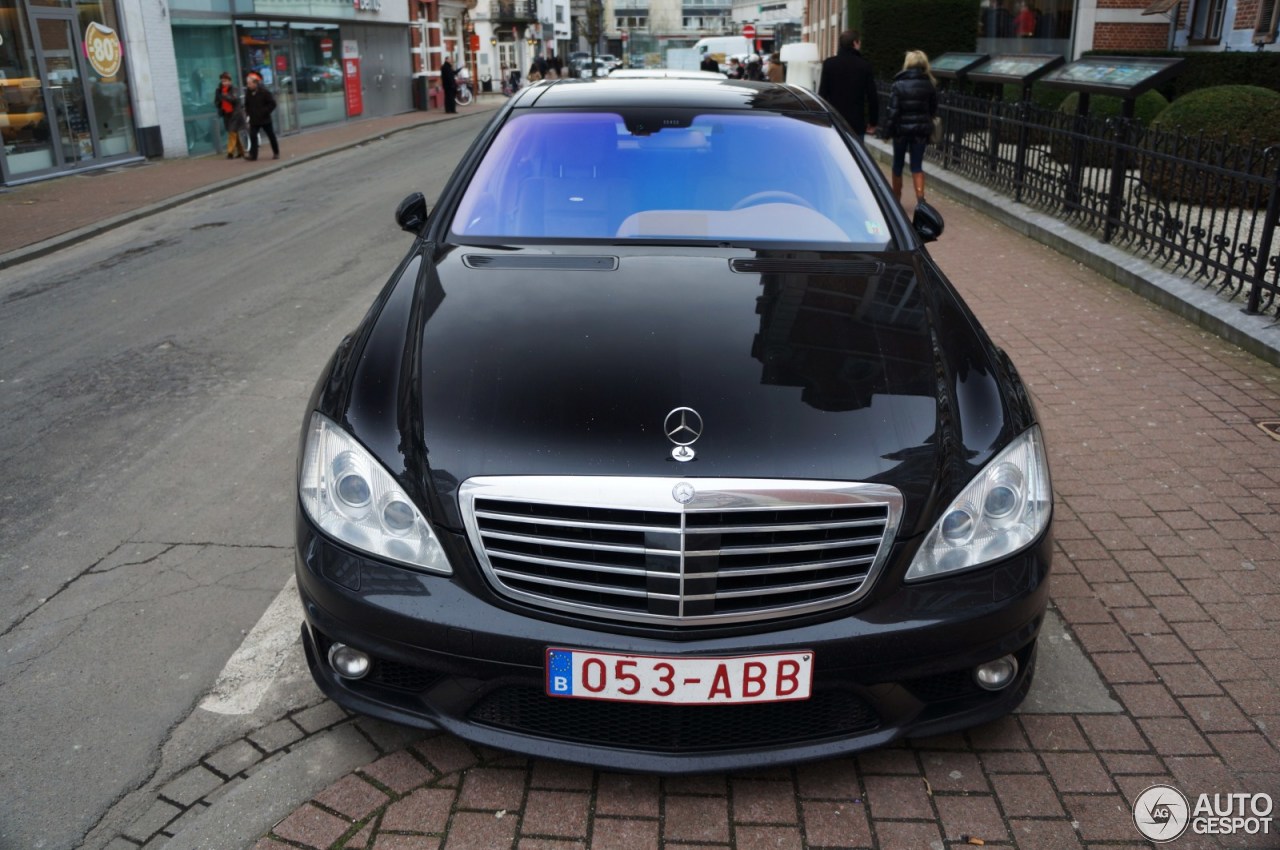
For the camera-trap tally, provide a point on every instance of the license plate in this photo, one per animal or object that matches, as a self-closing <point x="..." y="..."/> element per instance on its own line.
<point x="684" y="681"/>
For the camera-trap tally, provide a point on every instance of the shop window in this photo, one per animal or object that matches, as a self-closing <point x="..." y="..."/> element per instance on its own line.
<point x="1039" y="20"/>
<point x="24" y="124"/>
<point x="318" y="80"/>
<point x="1264" y="31"/>
<point x="108" y="82"/>
<point x="203" y="50"/>
<point x="1206" y="21"/>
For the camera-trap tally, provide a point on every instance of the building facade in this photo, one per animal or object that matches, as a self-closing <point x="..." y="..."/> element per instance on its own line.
<point x="71" y="93"/>
<point x="1074" y="27"/>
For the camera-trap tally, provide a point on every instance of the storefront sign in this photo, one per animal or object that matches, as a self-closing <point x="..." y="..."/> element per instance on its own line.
<point x="102" y="47"/>
<point x="351" y="75"/>
<point x="367" y="5"/>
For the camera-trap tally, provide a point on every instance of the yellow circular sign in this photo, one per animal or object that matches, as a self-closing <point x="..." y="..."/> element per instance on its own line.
<point x="102" y="46"/>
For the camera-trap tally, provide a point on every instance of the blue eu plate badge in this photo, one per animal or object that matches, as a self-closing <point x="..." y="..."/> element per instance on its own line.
<point x="559" y="672"/>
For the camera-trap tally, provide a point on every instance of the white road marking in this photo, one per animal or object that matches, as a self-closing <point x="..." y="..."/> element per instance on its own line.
<point x="252" y="668"/>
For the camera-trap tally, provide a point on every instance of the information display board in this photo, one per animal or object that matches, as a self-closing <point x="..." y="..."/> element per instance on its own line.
<point x="1119" y="76"/>
<point x="954" y="66"/>
<point x="1018" y="68"/>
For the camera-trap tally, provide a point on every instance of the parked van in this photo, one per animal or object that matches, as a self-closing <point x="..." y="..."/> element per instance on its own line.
<point x="722" y="47"/>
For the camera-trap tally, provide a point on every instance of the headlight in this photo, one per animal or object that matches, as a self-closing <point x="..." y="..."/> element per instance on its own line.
<point x="352" y="498"/>
<point x="999" y="512"/>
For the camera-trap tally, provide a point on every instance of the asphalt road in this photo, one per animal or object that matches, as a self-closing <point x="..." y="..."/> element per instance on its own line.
<point x="152" y="384"/>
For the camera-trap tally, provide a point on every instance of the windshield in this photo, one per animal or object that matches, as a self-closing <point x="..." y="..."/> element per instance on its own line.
<point x="759" y="177"/>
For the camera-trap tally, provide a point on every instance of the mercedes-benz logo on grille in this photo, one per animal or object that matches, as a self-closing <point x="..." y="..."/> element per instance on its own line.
<point x="683" y="492"/>
<point x="683" y="426"/>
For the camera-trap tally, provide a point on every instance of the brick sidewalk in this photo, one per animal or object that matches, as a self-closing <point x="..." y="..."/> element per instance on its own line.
<point x="1167" y="572"/>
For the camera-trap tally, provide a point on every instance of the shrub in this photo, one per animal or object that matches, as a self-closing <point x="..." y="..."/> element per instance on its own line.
<point x="1101" y="106"/>
<point x="1224" y="123"/>
<point x="1245" y="114"/>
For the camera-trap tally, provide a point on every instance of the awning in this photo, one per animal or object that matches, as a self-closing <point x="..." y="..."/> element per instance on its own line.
<point x="1160" y="7"/>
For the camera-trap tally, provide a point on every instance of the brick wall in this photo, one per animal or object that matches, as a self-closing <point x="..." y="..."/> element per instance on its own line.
<point x="1121" y="4"/>
<point x="1247" y="14"/>
<point x="1131" y="36"/>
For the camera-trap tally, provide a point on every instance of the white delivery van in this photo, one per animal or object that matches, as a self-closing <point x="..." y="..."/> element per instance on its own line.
<point x="722" y="47"/>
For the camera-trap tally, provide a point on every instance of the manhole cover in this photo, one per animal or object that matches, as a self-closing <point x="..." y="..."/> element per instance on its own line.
<point x="1270" y="427"/>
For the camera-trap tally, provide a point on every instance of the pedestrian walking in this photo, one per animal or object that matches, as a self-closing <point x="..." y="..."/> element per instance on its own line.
<point x="736" y="71"/>
<point x="755" y="71"/>
<point x="709" y="63"/>
<point x="449" y="82"/>
<point x="259" y="104"/>
<point x="913" y="103"/>
<point x="226" y="101"/>
<point x="848" y="83"/>
<point x="776" y="72"/>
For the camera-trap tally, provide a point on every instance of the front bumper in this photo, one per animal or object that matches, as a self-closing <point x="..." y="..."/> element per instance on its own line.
<point x="448" y="654"/>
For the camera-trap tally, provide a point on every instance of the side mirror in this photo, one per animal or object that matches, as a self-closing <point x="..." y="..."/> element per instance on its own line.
<point x="927" y="222"/>
<point x="412" y="213"/>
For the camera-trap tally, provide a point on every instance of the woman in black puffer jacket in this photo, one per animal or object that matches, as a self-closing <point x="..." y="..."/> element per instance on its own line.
<point x="913" y="102"/>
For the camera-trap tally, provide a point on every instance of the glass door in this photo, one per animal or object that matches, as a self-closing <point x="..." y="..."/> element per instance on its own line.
<point x="265" y="48"/>
<point x="67" y="102"/>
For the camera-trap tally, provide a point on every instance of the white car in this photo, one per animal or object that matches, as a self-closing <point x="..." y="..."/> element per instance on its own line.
<point x="586" y="69"/>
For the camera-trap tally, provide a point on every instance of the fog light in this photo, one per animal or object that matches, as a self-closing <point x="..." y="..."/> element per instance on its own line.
<point x="347" y="662"/>
<point x="995" y="675"/>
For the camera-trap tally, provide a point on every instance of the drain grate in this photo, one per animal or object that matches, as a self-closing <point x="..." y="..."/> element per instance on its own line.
<point x="1270" y="427"/>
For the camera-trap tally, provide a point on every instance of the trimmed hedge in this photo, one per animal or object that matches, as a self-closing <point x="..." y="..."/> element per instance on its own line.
<point x="891" y="28"/>
<point x="1231" y="118"/>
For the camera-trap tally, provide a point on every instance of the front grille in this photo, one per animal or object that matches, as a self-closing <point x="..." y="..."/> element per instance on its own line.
<point x="626" y="549"/>
<point x="672" y="728"/>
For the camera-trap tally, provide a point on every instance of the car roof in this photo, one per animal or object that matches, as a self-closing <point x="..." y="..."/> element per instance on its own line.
<point x="667" y="74"/>
<point x="712" y="91"/>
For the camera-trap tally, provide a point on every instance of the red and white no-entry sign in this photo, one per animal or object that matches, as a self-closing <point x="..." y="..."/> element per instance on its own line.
<point x="748" y="31"/>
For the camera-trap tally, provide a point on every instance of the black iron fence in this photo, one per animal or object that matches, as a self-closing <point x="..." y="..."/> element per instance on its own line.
<point x="1192" y="204"/>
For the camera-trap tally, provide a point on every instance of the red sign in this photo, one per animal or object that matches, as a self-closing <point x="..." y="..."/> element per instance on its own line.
<point x="748" y="31"/>
<point x="326" y="47"/>
<point x="475" y="43"/>
<point x="351" y="74"/>
<point x="625" y="36"/>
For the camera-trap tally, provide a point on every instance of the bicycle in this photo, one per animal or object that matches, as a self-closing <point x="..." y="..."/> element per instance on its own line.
<point x="464" y="95"/>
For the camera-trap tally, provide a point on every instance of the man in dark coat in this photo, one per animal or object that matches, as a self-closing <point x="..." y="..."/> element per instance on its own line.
<point x="848" y="83"/>
<point x="710" y="64"/>
<point x="449" y="82"/>
<point x="258" y="106"/>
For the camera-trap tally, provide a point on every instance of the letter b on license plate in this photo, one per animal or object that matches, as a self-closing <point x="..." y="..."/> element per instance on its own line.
<point x="686" y="681"/>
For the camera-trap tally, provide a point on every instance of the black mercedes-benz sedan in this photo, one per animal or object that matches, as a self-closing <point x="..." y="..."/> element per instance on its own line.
<point x="668" y="447"/>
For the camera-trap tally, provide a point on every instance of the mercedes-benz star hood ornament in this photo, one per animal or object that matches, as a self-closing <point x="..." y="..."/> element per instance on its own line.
<point x="683" y="426"/>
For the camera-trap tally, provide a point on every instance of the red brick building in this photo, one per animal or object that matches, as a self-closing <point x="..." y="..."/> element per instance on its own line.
<point x="1072" y="27"/>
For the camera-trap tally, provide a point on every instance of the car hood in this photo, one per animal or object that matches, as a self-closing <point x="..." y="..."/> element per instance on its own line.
<point x="801" y="366"/>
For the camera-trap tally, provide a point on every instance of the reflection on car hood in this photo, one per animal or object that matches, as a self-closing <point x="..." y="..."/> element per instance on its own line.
<point x="542" y="363"/>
